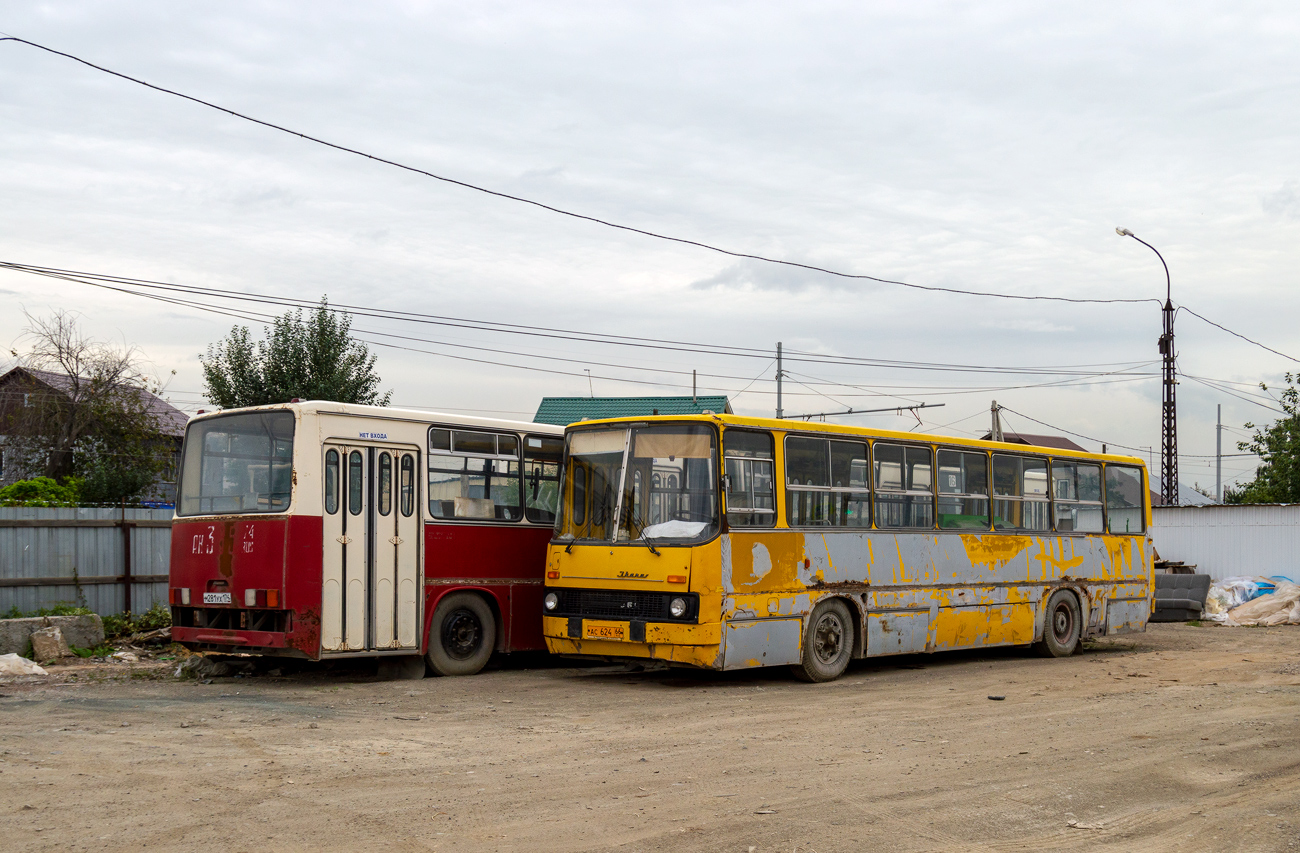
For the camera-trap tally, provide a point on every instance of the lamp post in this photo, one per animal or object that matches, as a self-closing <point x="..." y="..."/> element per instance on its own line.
<point x="1169" y="409"/>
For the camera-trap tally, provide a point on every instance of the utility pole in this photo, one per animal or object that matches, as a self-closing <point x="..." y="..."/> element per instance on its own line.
<point x="694" y="402"/>
<point x="996" y="432"/>
<point x="1169" y="405"/>
<point x="780" y="413"/>
<point x="1218" y="455"/>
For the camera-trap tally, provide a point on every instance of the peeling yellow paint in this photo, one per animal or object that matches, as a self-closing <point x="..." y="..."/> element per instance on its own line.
<point x="993" y="551"/>
<point x="1050" y="559"/>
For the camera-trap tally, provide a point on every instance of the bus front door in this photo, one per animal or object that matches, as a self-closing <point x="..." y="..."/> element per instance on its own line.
<point x="370" y="596"/>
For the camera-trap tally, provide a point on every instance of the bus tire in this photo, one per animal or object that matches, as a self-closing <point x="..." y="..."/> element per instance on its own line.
<point x="462" y="634"/>
<point x="827" y="643"/>
<point x="1062" y="626"/>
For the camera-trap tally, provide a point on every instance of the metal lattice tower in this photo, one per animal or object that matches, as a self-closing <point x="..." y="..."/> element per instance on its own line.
<point x="1169" y="412"/>
<point x="1169" y="405"/>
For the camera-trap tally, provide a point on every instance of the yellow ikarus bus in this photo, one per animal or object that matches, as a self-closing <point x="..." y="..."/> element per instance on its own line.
<point x="728" y="542"/>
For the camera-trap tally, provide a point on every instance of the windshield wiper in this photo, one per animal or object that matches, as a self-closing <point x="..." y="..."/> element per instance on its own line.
<point x="640" y="534"/>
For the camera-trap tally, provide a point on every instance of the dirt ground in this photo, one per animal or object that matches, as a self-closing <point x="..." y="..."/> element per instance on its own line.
<point x="1184" y="738"/>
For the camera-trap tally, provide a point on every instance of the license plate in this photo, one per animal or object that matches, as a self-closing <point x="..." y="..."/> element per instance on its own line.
<point x="216" y="598"/>
<point x="604" y="631"/>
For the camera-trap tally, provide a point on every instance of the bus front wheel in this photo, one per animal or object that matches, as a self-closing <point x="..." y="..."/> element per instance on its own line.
<point x="462" y="635"/>
<point x="827" y="643"/>
<point x="1061" y="626"/>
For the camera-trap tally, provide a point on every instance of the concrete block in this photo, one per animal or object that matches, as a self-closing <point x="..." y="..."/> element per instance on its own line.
<point x="48" y="644"/>
<point x="84" y="632"/>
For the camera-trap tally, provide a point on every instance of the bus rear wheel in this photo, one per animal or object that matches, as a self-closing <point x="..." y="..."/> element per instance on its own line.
<point x="1061" y="626"/>
<point x="827" y="643"/>
<point x="462" y="635"/>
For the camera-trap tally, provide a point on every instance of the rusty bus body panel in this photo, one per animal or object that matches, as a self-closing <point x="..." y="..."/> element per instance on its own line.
<point x="928" y="592"/>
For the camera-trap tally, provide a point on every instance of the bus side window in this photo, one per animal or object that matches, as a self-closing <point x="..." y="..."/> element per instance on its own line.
<point x="542" y="477"/>
<point x="1020" y="495"/>
<point x="904" y="485"/>
<point x="474" y="474"/>
<point x="748" y="458"/>
<point x="1124" y="505"/>
<point x="963" y="490"/>
<point x="1076" y="493"/>
<point x="385" y="483"/>
<point x="332" y="481"/>
<point x="408" y="484"/>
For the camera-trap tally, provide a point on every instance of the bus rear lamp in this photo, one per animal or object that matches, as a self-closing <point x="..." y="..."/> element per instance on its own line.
<point x="677" y="607"/>
<point x="677" y="578"/>
<point x="551" y="601"/>
<point x="180" y="595"/>
<point x="552" y="575"/>
<point x="261" y="598"/>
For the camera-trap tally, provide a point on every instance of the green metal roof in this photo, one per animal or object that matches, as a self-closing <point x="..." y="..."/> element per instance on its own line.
<point x="563" y="411"/>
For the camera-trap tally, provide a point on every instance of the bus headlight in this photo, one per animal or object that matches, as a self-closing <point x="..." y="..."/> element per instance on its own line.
<point x="551" y="601"/>
<point x="677" y="607"/>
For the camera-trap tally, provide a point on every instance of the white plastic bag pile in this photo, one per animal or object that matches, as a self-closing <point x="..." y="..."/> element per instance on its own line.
<point x="13" y="664"/>
<point x="1253" y="601"/>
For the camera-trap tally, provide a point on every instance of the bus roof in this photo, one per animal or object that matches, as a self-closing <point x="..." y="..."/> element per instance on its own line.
<point x="324" y="407"/>
<point x="867" y="432"/>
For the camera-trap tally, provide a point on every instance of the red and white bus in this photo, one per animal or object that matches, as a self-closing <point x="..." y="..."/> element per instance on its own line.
<point x="323" y="530"/>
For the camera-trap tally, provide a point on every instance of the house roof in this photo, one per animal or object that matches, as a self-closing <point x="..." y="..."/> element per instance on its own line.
<point x="171" y="420"/>
<point x="1039" y="440"/>
<point x="563" y="411"/>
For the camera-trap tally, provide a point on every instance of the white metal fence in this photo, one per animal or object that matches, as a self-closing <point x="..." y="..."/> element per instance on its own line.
<point x="1224" y="541"/>
<point x="109" y="560"/>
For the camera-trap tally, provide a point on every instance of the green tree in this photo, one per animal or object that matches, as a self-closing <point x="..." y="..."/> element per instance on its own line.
<point x="87" y="414"/>
<point x="1277" y="479"/>
<point x="40" y="491"/>
<point x="312" y="359"/>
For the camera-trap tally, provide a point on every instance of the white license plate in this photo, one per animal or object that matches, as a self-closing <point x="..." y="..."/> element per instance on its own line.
<point x="216" y="598"/>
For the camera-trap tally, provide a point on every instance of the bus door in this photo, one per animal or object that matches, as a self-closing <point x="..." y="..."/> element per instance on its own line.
<point x="370" y="596"/>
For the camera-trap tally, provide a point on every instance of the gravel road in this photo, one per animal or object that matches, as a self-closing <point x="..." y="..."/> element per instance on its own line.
<point x="1184" y="738"/>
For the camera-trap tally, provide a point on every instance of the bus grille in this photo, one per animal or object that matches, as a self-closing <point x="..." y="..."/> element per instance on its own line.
<point x="629" y="605"/>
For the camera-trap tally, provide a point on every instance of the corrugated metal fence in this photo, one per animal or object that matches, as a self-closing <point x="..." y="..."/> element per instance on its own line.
<point x="109" y="560"/>
<point x="1225" y="541"/>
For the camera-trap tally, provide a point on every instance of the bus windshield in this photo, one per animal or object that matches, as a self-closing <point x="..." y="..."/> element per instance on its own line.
<point x="239" y="463"/>
<point x="641" y="485"/>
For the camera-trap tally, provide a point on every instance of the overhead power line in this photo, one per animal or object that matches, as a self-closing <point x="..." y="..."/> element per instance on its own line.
<point x="123" y="284"/>
<point x="569" y="213"/>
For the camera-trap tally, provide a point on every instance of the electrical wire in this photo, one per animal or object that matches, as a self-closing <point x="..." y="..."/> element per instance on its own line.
<point x="569" y="213"/>
<point x="125" y="285"/>
<point x="1238" y="334"/>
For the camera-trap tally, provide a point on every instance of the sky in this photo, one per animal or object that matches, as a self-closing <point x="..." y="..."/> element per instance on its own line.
<point x="982" y="147"/>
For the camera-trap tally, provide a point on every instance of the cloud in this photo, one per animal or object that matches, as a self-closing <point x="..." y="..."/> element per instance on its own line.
<point x="1284" y="203"/>
<point x="751" y="275"/>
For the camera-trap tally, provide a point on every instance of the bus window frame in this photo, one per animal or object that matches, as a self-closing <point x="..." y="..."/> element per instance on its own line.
<point x="559" y="476"/>
<point x="987" y="496"/>
<point x="786" y="487"/>
<point x="875" y="492"/>
<point x="1144" y="489"/>
<point x="1101" y="504"/>
<point x="432" y="454"/>
<point x="753" y="512"/>
<point x="1022" y="499"/>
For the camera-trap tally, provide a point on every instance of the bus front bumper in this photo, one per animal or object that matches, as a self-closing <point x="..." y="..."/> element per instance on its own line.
<point x="695" y="645"/>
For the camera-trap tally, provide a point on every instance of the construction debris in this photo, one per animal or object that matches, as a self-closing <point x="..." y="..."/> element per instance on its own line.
<point x="48" y="644"/>
<point x="14" y="664"/>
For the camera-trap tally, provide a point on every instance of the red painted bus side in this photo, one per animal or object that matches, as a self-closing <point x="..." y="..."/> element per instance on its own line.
<point x="503" y="563"/>
<point x="283" y="553"/>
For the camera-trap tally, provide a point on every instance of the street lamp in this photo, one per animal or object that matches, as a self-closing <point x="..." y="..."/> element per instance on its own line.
<point x="1169" y="409"/>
